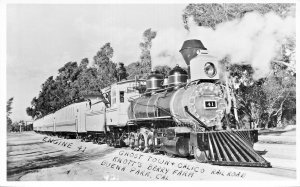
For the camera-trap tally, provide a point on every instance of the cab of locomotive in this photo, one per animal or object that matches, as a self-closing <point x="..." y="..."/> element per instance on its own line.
<point x="201" y="65"/>
<point x="119" y="96"/>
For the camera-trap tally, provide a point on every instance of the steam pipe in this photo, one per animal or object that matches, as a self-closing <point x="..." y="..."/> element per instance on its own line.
<point x="201" y="124"/>
<point x="189" y="72"/>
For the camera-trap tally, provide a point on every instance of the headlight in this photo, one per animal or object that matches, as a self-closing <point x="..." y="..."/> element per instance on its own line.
<point x="210" y="69"/>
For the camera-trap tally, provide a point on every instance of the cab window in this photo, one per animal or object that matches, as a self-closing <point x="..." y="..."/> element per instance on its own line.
<point x="121" y="96"/>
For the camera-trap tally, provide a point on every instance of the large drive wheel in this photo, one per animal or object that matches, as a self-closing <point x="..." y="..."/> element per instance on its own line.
<point x="150" y="143"/>
<point x="141" y="142"/>
<point x="132" y="140"/>
<point x="109" y="140"/>
<point x="94" y="140"/>
<point x="100" y="140"/>
<point x="169" y="154"/>
<point x="200" y="156"/>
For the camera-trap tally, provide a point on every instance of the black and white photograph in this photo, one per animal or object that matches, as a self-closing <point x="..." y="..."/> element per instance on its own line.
<point x="149" y="91"/>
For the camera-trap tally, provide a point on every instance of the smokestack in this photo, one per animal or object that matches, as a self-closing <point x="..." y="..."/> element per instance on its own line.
<point x="189" y="50"/>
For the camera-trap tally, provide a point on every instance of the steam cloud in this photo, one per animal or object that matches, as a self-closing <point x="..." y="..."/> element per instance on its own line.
<point x="255" y="39"/>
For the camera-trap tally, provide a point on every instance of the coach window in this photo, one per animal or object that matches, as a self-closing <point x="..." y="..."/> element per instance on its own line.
<point x="121" y="96"/>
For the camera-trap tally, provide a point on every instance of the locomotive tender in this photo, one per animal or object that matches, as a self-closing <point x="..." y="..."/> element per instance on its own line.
<point x="184" y="117"/>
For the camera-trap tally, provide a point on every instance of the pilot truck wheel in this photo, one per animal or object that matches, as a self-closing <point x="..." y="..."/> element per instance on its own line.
<point x="200" y="156"/>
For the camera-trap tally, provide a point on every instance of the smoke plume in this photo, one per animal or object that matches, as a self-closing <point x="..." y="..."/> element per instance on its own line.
<point x="255" y="39"/>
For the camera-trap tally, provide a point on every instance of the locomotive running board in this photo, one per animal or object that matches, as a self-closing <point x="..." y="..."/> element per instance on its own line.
<point x="230" y="148"/>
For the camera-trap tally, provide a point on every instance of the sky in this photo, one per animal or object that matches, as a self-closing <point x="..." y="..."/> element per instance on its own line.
<point x="42" y="38"/>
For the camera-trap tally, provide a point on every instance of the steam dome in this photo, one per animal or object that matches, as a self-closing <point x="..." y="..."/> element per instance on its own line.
<point x="154" y="81"/>
<point x="177" y="76"/>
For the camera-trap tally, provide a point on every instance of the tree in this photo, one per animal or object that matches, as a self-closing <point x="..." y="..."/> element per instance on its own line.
<point x="163" y="69"/>
<point x="142" y="68"/>
<point x="84" y="63"/>
<point x="134" y="70"/>
<point x="72" y="82"/>
<point x="56" y="92"/>
<point x="89" y="82"/>
<point x="267" y="100"/>
<point x="107" y="73"/>
<point x="209" y="15"/>
<point x="252" y="102"/>
<point x="68" y="74"/>
<point x="15" y="127"/>
<point x="8" y="106"/>
<point x="30" y="112"/>
<point x="8" y="112"/>
<point x="280" y="88"/>
<point x="145" y="46"/>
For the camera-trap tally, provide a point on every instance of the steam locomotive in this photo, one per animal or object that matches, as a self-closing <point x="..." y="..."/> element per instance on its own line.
<point x="182" y="115"/>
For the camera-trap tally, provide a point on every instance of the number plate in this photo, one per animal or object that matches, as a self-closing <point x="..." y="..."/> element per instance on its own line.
<point x="210" y="104"/>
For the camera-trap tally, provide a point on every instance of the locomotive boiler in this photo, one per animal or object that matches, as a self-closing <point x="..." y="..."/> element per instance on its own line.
<point x="202" y="96"/>
<point x="185" y="104"/>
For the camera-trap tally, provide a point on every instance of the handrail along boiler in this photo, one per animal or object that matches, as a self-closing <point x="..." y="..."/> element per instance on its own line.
<point x="181" y="118"/>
